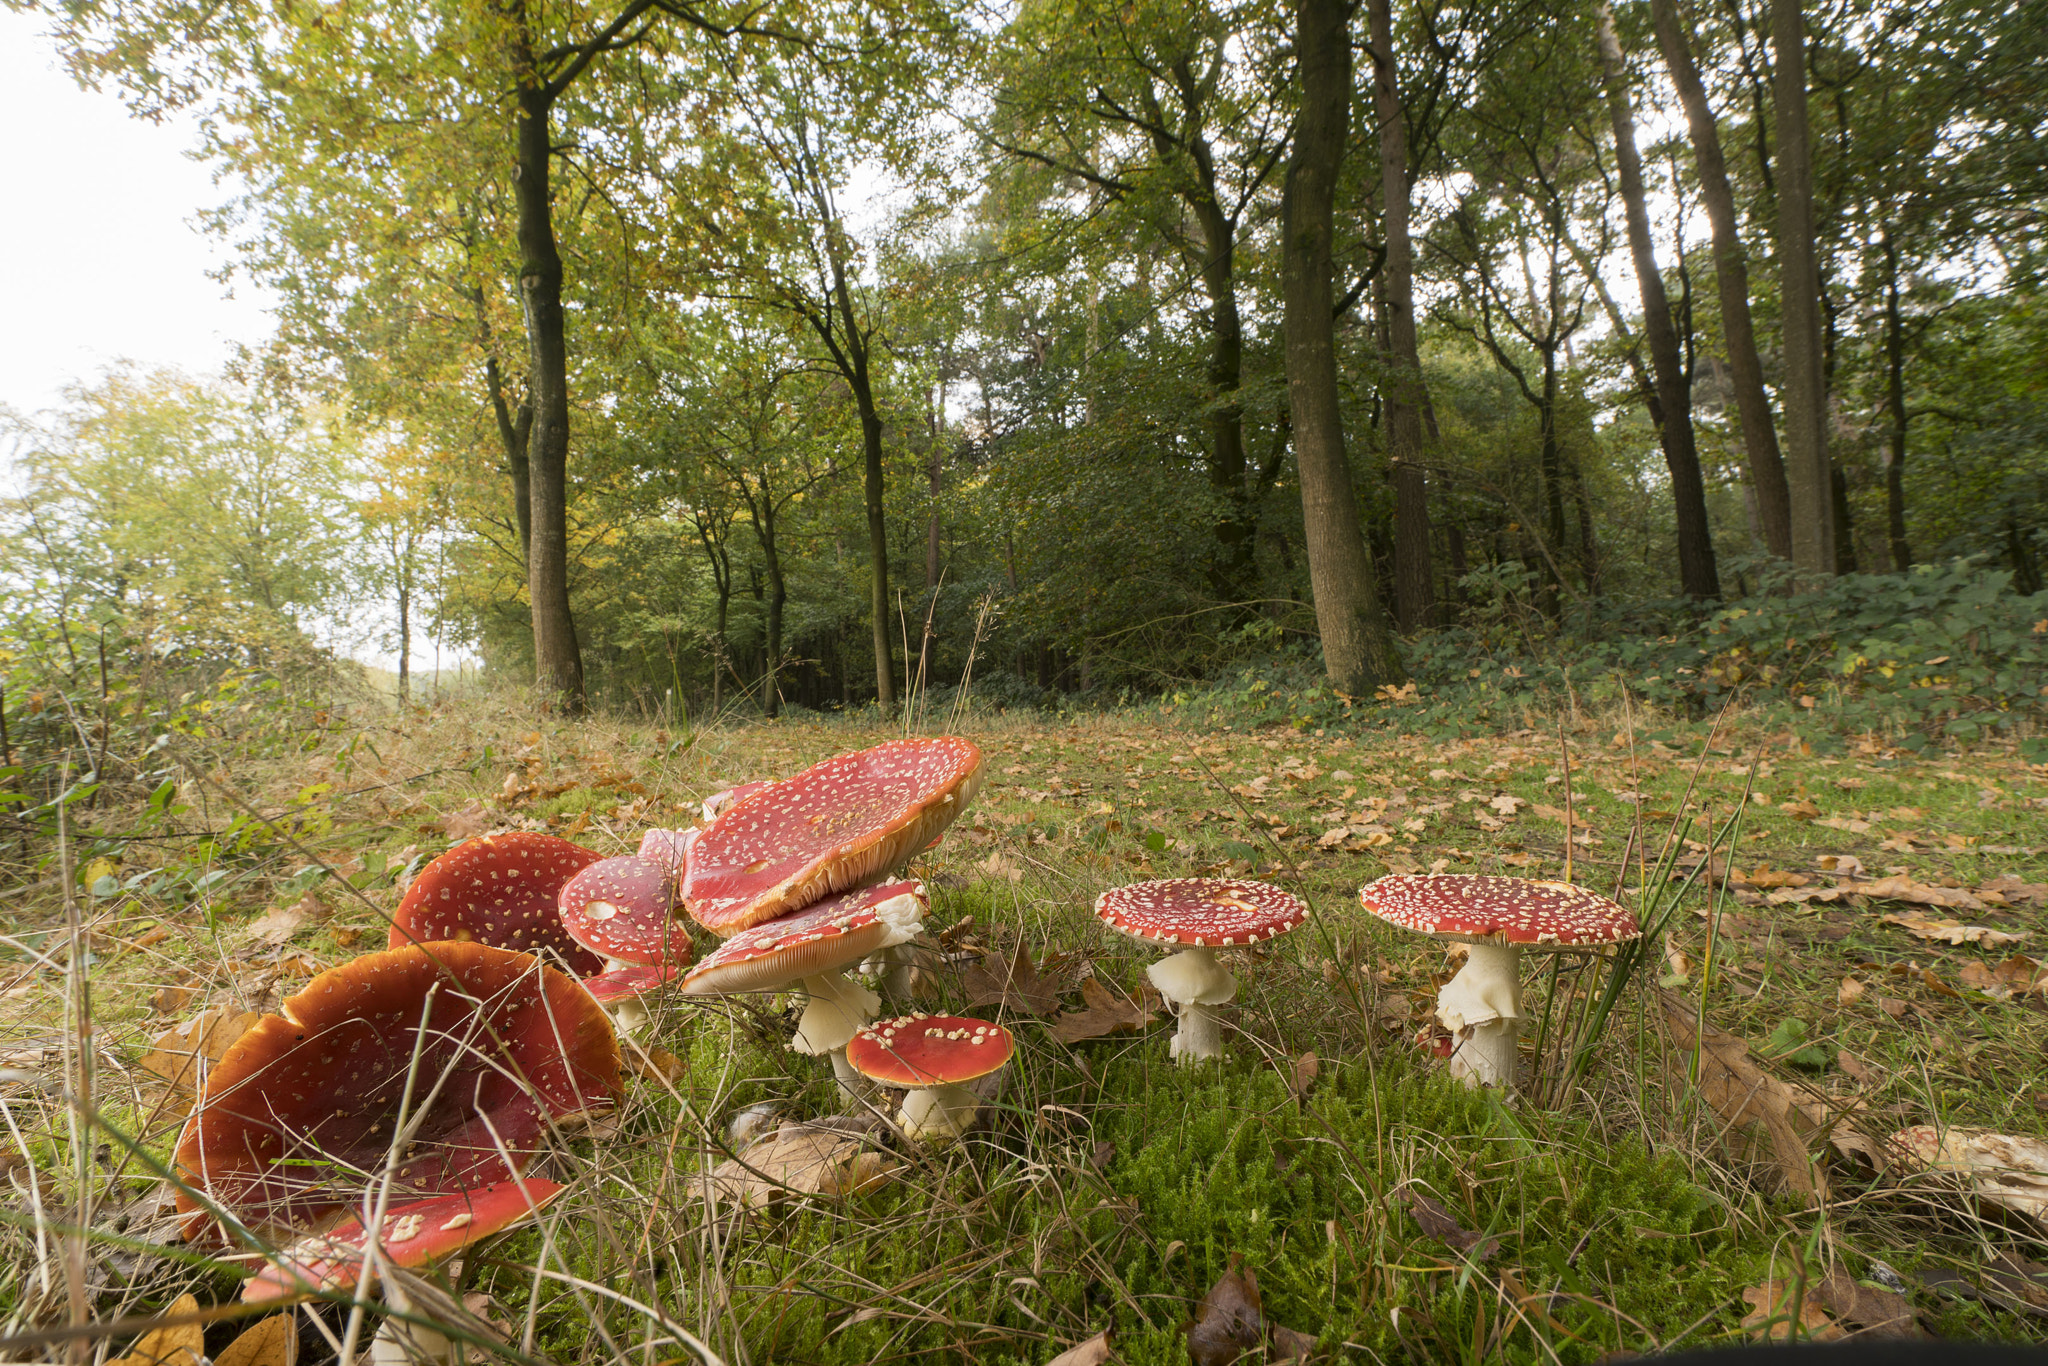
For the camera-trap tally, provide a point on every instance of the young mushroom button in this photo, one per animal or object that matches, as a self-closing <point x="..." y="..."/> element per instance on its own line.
<point x="1500" y="918"/>
<point x="934" y="1055"/>
<point x="1205" y="914"/>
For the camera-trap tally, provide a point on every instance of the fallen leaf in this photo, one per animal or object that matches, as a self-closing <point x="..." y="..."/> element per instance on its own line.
<point x="2004" y="1169"/>
<point x="1093" y="1352"/>
<point x="1893" y="1006"/>
<point x="1801" y="810"/>
<point x="1841" y="865"/>
<point x="1874" y="1313"/>
<point x="171" y="1000"/>
<point x="1850" y="992"/>
<point x="1229" y="1321"/>
<point x="1289" y="1345"/>
<point x="277" y="925"/>
<point x="1848" y="823"/>
<point x="1855" y="1069"/>
<point x="1919" y="926"/>
<point x="2007" y="886"/>
<point x="797" y="1160"/>
<point x="2016" y="976"/>
<point x="1506" y="803"/>
<point x="347" y="935"/>
<point x="1100" y="1155"/>
<point x="1303" y="1074"/>
<point x="468" y="823"/>
<point x="652" y="1062"/>
<point x="176" y="1053"/>
<point x="1771" y="1314"/>
<point x="1103" y="1012"/>
<point x="1899" y="888"/>
<point x="997" y="865"/>
<point x="1440" y="1224"/>
<point x="1013" y="986"/>
<point x="1332" y="837"/>
<point x="184" y="1345"/>
<point x="272" y="1342"/>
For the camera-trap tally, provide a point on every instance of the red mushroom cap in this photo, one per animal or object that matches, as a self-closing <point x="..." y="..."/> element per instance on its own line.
<point x="836" y="825"/>
<point x="835" y="933"/>
<point x="634" y="979"/>
<point x="623" y="908"/>
<point x="717" y="802"/>
<point x="1498" y="910"/>
<point x="299" y="1113"/>
<point x="498" y="890"/>
<point x="416" y="1234"/>
<point x="929" y="1050"/>
<point x="1207" y="912"/>
<point x="669" y="848"/>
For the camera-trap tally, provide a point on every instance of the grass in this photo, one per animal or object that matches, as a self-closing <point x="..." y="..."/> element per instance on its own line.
<point x="1111" y="1189"/>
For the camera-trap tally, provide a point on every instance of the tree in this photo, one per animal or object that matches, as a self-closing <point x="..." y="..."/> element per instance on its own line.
<point x="1809" y="477"/>
<point x="1358" y="650"/>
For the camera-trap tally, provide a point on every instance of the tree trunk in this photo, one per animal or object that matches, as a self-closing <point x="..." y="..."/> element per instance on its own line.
<point x="1404" y="394"/>
<point x="778" y="595"/>
<point x="404" y="639"/>
<point x="513" y="429"/>
<point x="558" y="664"/>
<point x="1895" y="399"/>
<point x="1807" y="475"/>
<point x="1731" y="279"/>
<point x="1697" y="575"/>
<point x="1358" y="649"/>
<point x="1236" y="549"/>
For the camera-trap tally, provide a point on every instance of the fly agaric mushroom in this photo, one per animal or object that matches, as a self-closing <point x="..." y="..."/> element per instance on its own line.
<point x="934" y="1055"/>
<point x="1204" y="913"/>
<point x="1499" y="917"/>
<point x="719" y="801"/>
<point x="623" y="908"/>
<point x="839" y="824"/>
<point x="499" y="890"/>
<point x="669" y="848"/>
<point x="812" y="948"/>
<point x="305" y="1106"/>
<point x="416" y="1234"/>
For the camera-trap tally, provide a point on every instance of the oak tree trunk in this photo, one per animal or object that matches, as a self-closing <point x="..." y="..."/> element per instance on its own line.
<point x="1697" y="574"/>
<point x="1807" y="476"/>
<point x="1358" y="649"/>
<point x="1404" y="393"/>
<point x="1731" y="279"/>
<point x="1895" y="399"/>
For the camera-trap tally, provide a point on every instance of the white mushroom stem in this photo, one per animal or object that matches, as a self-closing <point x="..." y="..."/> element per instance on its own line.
<point x="838" y="1007"/>
<point x="938" y="1114"/>
<point x="1482" y="1007"/>
<point x="1193" y="981"/>
<point x="891" y="966"/>
<point x="629" y="1015"/>
<point x="410" y="1344"/>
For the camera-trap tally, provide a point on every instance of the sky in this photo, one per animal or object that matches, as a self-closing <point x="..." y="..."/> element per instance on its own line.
<point x="103" y="262"/>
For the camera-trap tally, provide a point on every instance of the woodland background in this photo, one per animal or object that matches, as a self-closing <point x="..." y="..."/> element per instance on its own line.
<point x="688" y="358"/>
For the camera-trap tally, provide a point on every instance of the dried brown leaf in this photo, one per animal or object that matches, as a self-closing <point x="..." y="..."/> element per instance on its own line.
<point x="176" y="1053"/>
<point x="1229" y="1321"/>
<point x="1103" y="1012"/>
<point x="1919" y="926"/>
<point x="171" y="1000"/>
<point x="1872" y="1312"/>
<point x="183" y="1345"/>
<point x="1771" y="1314"/>
<point x="468" y="823"/>
<point x="1440" y="1224"/>
<point x="1901" y="888"/>
<point x="1014" y="986"/>
<point x="1289" y="1345"/>
<point x="797" y="1161"/>
<point x="1303" y="1074"/>
<point x="272" y="1342"/>
<point x="1093" y="1352"/>
<point x="2003" y="1169"/>
<point x="276" y="926"/>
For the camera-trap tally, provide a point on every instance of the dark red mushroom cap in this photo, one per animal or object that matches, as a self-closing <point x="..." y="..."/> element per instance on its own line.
<point x="669" y="848"/>
<point x="836" y="933"/>
<point x="498" y="890"/>
<point x="416" y="1234"/>
<point x="1473" y="908"/>
<point x="836" y="825"/>
<point x="1206" y="912"/>
<point x="929" y="1050"/>
<point x="298" y="1116"/>
<point x="624" y="909"/>
<point x="634" y="979"/>
<point x="717" y="802"/>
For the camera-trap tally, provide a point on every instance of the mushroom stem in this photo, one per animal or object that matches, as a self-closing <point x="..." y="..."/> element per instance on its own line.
<point x="1193" y="981"/>
<point x="838" y="1007"/>
<point x="938" y="1114"/>
<point x="857" y="1087"/>
<point x="891" y="967"/>
<point x="1482" y="1007"/>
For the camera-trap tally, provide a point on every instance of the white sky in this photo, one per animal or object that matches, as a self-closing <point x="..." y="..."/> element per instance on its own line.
<point x="102" y="260"/>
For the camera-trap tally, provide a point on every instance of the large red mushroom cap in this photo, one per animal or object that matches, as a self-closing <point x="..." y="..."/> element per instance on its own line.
<point x="299" y="1114"/>
<point x="1205" y="912"/>
<point x="836" y="825"/>
<point x="623" y="908"/>
<point x="929" y="1050"/>
<point x="631" y="981"/>
<point x="416" y="1234"/>
<point x="499" y="890"/>
<point x="1473" y="908"/>
<point x="836" y="933"/>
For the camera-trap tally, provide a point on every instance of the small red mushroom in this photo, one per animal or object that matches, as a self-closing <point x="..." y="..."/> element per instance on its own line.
<point x="499" y="890"/>
<point x="416" y="1234"/>
<point x="1204" y="913"/>
<point x="623" y="908"/>
<point x="1499" y="917"/>
<point x="478" y="1048"/>
<point x="933" y="1055"/>
<point x="840" y="824"/>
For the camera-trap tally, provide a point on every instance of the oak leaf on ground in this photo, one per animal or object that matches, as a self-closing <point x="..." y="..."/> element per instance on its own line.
<point x="1104" y="1012"/>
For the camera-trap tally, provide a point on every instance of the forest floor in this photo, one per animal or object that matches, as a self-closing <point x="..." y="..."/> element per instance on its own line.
<point x="1864" y="968"/>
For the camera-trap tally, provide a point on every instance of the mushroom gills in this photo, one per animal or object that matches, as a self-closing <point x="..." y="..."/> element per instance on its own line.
<point x="1482" y="1007"/>
<point x="1194" y="981"/>
<point x="838" y="1007"/>
<point x="938" y="1113"/>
